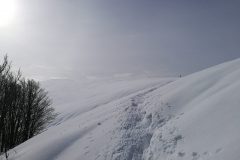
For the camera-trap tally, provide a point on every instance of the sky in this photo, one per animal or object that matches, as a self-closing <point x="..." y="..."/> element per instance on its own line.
<point x="64" y="38"/>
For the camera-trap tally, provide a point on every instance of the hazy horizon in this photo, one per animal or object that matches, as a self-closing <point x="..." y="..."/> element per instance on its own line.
<point x="64" y="38"/>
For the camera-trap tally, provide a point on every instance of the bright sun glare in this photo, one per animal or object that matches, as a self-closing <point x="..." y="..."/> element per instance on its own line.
<point x="7" y="12"/>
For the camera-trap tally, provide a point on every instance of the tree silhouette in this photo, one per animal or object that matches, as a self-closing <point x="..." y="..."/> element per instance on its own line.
<point x="25" y="108"/>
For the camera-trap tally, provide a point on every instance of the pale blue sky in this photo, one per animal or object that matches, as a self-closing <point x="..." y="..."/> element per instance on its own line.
<point x="164" y="37"/>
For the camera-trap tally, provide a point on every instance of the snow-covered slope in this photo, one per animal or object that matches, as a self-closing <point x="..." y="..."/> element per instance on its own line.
<point x="74" y="97"/>
<point x="194" y="118"/>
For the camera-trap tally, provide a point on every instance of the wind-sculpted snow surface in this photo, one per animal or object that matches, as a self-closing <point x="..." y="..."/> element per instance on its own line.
<point x="193" y="118"/>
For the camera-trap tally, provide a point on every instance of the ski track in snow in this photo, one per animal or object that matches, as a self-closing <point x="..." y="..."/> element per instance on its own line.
<point x="134" y="140"/>
<point x="137" y="128"/>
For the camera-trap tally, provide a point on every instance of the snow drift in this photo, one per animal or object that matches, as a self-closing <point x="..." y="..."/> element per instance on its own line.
<point x="193" y="118"/>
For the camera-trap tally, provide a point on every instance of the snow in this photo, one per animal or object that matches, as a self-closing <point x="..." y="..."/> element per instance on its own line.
<point x="192" y="118"/>
<point x="72" y="98"/>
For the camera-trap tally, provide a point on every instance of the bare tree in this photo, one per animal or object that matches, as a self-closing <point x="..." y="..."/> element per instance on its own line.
<point x="25" y="108"/>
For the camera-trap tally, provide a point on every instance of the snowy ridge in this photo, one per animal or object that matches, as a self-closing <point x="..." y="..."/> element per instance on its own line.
<point x="72" y="98"/>
<point x="193" y="118"/>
